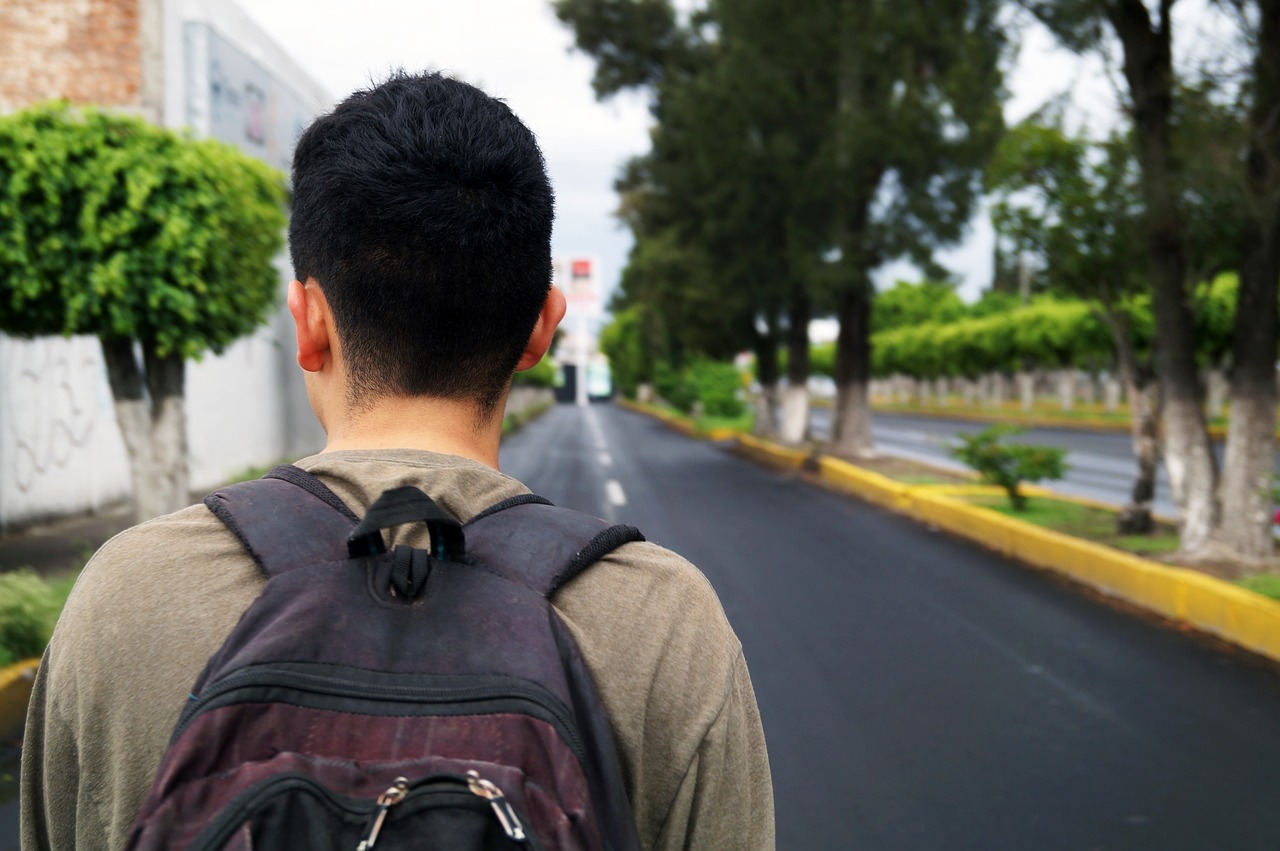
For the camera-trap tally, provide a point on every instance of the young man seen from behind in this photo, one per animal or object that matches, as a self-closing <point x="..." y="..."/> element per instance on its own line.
<point x="421" y="241"/>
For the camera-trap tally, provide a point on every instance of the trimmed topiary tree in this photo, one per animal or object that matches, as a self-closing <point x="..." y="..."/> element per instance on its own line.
<point x="158" y="244"/>
<point x="1009" y="464"/>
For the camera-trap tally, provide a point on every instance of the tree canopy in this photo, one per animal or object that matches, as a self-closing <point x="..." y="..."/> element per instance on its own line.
<point x="114" y="227"/>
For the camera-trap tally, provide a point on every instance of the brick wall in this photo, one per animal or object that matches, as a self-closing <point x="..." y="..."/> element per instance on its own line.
<point x="87" y="51"/>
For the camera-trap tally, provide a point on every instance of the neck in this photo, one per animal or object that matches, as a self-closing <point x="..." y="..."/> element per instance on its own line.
<point x="448" y="426"/>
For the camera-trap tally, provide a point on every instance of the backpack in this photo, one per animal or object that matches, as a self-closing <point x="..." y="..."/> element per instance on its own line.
<point x="405" y="699"/>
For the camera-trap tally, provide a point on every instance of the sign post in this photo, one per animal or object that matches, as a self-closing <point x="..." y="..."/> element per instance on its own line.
<point x="578" y="279"/>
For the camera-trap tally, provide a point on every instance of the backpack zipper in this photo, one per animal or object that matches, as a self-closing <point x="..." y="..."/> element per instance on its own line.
<point x="388" y="799"/>
<point x="477" y="785"/>
<point x="218" y="831"/>
<point x="258" y="675"/>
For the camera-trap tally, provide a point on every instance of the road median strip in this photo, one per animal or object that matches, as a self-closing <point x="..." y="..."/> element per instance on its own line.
<point x="1186" y="596"/>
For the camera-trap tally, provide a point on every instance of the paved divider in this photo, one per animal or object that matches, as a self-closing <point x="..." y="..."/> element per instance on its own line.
<point x="1211" y="605"/>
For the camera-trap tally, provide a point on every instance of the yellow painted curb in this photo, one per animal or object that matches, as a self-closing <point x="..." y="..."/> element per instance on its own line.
<point x="15" y="694"/>
<point x="1207" y="604"/>
<point x="678" y="423"/>
<point x="871" y="486"/>
<point x="772" y="454"/>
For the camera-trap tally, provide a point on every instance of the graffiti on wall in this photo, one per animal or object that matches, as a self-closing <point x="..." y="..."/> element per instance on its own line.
<point x="52" y="391"/>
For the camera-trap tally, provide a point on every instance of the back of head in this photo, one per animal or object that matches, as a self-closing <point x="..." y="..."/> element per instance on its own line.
<point x="423" y="209"/>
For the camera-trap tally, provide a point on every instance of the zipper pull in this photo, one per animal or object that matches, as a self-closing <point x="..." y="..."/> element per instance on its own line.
<point x="388" y="799"/>
<point x="501" y="806"/>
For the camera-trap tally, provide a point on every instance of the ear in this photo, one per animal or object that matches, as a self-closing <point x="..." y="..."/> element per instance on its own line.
<point x="544" y="331"/>
<point x="310" y="313"/>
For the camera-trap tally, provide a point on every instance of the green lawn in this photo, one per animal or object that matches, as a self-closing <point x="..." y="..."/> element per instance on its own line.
<point x="1085" y="521"/>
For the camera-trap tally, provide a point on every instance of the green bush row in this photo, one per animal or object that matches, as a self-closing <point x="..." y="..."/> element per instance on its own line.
<point x="1048" y="333"/>
<point x="711" y="383"/>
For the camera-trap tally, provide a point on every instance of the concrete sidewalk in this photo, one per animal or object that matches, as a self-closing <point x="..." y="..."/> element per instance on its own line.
<point x="61" y="546"/>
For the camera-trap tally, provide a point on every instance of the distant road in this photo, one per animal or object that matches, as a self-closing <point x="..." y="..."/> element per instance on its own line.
<point x="919" y="692"/>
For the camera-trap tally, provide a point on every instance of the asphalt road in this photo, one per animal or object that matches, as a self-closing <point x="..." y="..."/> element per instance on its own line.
<point x="920" y="693"/>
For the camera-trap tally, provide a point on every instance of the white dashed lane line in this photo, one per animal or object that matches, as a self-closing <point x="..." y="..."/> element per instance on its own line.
<point x="614" y="491"/>
<point x="606" y="460"/>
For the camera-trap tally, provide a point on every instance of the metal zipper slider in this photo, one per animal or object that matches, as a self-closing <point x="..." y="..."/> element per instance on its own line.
<point x="388" y="799"/>
<point x="501" y="806"/>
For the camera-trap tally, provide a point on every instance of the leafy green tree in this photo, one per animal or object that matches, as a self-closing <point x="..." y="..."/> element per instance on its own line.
<point x="710" y="195"/>
<point x="907" y="303"/>
<point x="892" y="109"/>
<point x="159" y="245"/>
<point x="1236" y="516"/>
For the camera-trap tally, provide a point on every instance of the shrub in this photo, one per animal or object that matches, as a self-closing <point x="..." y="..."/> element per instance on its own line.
<point x="674" y="387"/>
<point x="1009" y="464"/>
<point x="716" y="386"/>
<point x="29" y="608"/>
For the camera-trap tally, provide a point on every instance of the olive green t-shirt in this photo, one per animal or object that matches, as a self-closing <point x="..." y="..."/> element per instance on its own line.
<point x="157" y="600"/>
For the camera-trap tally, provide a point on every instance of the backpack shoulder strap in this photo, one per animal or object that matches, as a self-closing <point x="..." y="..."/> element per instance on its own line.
<point x="542" y="545"/>
<point x="285" y="520"/>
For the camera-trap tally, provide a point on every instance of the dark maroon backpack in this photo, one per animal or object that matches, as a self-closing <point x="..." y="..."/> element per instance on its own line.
<point x="405" y="699"/>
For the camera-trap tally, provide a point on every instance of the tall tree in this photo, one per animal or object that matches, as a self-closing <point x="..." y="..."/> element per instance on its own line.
<point x="1250" y="452"/>
<point x="1076" y="206"/>
<point x="714" y="186"/>
<point x="1146" y="40"/>
<point x="905" y="98"/>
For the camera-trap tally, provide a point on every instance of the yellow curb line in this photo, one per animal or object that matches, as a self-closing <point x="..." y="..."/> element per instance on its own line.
<point x="677" y="423"/>
<point x="1203" y="602"/>
<point x="15" y="693"/>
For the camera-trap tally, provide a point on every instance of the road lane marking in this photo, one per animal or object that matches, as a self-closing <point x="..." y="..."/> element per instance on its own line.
<point x="614" y="492"/>
<point x="606" y="460"/>
<point x="593" y="425"/>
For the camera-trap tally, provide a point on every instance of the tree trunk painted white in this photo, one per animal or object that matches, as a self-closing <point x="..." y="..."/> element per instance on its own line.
<point x="1192" y="472"/>
<point x="1027" y="390"/>
<point x="1135" y="518"/>
<point x="998" y="388"/>
<point x="941" y="392"/>
<point x="766" y="407"/>
<point x="1111" y="395"/>
<point x="153" y="424"/>
<point x="969" y="391"/>
<point x="922" y="392"/>
<point x="644" y="393"/>
<point x="1216" y="390"/>
<point x="1066" y="379"/>
<point x="1247" y="478"/>
<point x="853" y="433"/>
<point x="906" y="390"/>
<point x="795" y="414"/>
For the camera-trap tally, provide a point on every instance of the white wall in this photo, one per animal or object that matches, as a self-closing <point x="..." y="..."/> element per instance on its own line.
<point x="60" y="450"/>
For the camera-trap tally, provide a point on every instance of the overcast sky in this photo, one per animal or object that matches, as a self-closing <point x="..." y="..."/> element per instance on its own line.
<point x="518" y="51"/>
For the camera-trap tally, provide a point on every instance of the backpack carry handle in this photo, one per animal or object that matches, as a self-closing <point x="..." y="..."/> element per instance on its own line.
<point x="408" y="505"/>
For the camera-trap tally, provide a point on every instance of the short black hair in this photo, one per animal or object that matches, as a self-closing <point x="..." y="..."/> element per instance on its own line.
<point x="423" y="209"/>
